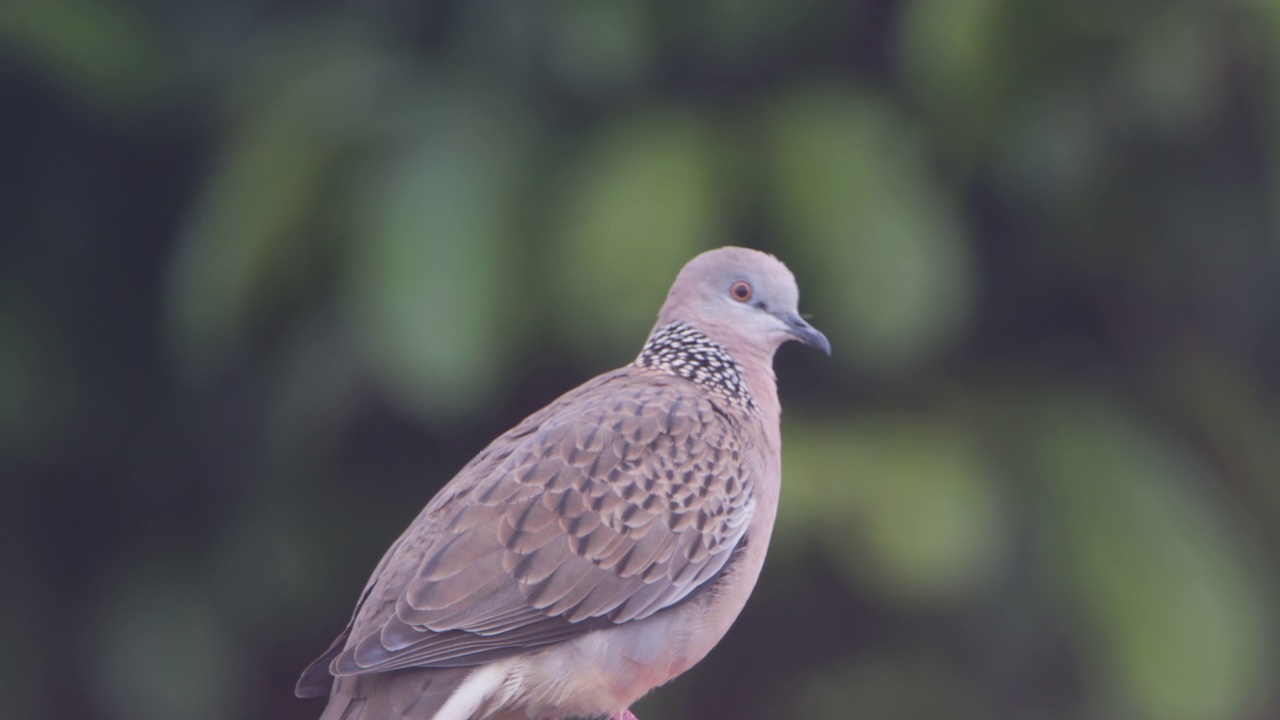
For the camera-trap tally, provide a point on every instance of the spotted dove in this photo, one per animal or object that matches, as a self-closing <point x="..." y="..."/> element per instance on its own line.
<point x="602" y="546"/>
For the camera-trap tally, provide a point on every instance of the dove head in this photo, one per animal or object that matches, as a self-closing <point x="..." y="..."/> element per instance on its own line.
<point x="745" y="300"/>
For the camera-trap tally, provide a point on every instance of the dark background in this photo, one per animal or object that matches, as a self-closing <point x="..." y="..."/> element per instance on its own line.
<point x="271" y="272"/>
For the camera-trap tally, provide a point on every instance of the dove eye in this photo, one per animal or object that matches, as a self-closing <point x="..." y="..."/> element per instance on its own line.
<point x="741" y="291"/>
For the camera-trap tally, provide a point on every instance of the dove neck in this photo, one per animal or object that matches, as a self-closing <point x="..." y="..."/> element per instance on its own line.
<point x="757" y="369"/>
<point x="680" y="349"/>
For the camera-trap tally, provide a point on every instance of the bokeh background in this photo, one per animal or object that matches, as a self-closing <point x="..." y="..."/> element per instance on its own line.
<point x="271" y="272"/>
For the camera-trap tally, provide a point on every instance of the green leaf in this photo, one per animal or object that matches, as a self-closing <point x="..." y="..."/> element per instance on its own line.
<point x="1054" y="156"/>
<point x="1144" y="558"/>
<point x="641" y="199"/>
<point x="876" y="234"/>
<point x="888" y="688"/>
<point x="162" y="652"/>
<point x="1171" y="74"/>
<point x="752" y="32"/>
<point x="951" y="53"/>
<point x="1265" y="17"/>
<point x="594" y="45"/>
<point x="102" y="51"/>
<point x="257" y="235"/>
<point x="908" y="506"/>
<point x="432" y="281"/>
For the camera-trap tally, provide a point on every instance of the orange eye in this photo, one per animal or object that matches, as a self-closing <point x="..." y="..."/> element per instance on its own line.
<point x="741" y="291"/>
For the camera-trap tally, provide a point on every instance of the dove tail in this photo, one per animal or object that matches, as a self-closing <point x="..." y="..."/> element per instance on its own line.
<point x="415" y="694"/>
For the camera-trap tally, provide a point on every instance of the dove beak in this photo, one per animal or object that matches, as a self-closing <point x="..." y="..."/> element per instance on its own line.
<point x="804" y="332"/>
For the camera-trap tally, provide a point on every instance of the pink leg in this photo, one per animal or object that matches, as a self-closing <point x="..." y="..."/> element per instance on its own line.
<point x="624" y="715"/>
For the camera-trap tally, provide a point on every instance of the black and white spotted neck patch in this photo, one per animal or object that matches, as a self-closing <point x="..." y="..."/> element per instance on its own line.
<point x="680" y="349"/>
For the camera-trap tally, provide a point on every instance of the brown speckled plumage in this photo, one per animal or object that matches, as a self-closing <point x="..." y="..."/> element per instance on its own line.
<point x="617" y="514"/>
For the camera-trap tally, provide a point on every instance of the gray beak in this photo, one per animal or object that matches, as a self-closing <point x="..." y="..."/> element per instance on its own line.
<point x="804" y="332"/>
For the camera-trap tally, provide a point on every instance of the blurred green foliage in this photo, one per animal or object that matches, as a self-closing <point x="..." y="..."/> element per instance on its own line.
<point x="271" y="272"/>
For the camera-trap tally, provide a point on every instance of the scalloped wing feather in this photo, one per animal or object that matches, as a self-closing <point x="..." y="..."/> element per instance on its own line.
<point x="620" y="499"/>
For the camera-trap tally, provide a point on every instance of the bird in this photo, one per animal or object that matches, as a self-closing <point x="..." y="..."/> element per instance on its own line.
<point x="602" y="546"/>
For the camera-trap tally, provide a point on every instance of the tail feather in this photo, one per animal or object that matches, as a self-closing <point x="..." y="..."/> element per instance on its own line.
<point x="416" y="694"/>
<point x="343" y="707"/>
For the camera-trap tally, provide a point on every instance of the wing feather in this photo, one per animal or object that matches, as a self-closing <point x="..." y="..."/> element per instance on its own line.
<point x="604" y="508"/>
